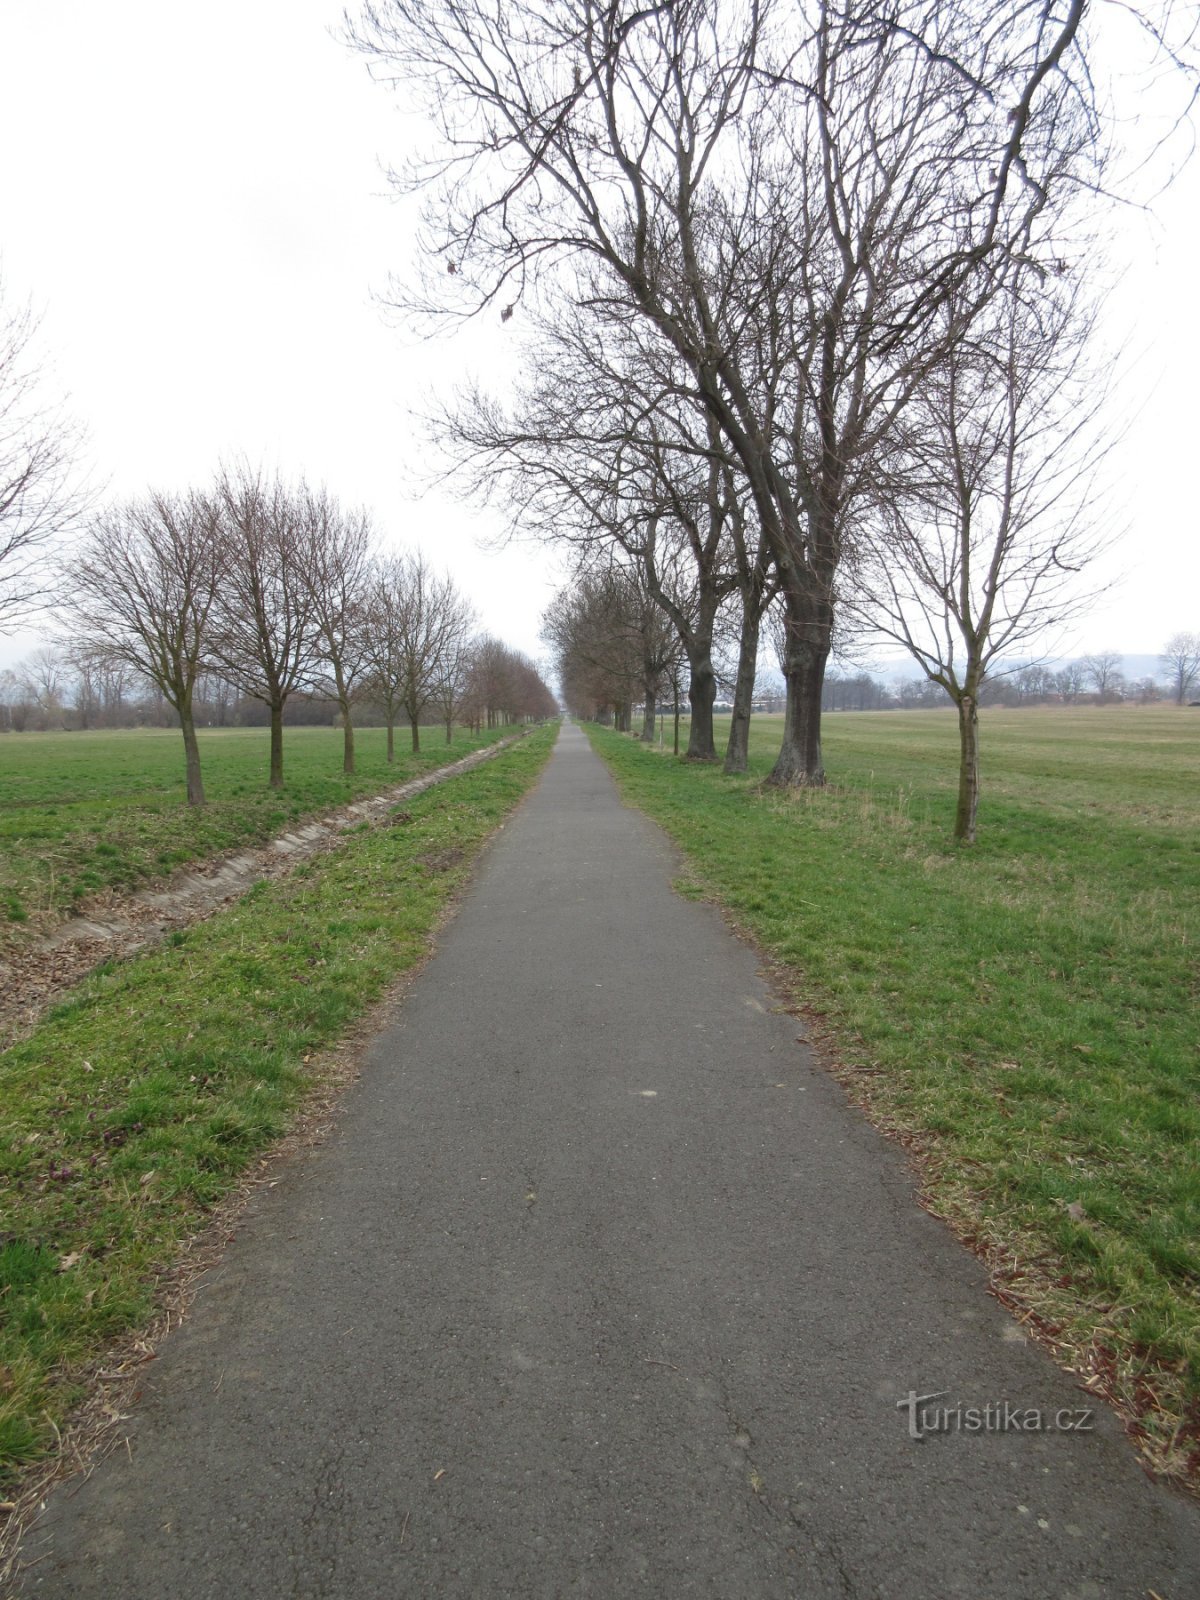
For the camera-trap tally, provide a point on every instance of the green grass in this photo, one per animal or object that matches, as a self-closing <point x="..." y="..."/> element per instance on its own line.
<point x="83" y="812"/>
<point x="137" y="1103"/>
<point x="1024" y="1013"/>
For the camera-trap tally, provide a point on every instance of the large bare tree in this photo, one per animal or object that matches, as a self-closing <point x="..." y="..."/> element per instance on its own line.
<point x="143" y="586"/>
<point x="264" y="633"/>
<point x="337" y="570"/>
<point x="990" y="515"/>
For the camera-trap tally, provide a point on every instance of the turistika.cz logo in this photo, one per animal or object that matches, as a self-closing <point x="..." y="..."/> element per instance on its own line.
<point x="925" y="1416"/>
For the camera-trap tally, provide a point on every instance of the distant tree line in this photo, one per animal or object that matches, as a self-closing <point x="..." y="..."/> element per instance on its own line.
<point x="55" y="689"/>
<point x="619" y="659"/>
<point x="251" y="600"/>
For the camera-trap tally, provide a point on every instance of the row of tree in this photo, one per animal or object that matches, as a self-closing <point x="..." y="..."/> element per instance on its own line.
<point x="252" y="589"/>
<point x="809" y="299"/>
<point x="273" y="589"/>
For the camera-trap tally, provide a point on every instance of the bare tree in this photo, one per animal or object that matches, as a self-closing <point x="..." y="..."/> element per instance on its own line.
<point x="453" y="679"/>
<point x="41" y="495"/>
<point x="1070" y="682"/>
<point x="1032" y="683"/>
<point x="603" y="450"/>
<point x="414" y="623"/>
<point x="13" y="702"/>
<point x="337" y="568"/>
<point x="1181" y="657"/>
<point x="988" y="521"/>
<point x="142" y="591"/>
<point x="85" y="668"/>
<point x="44" y="676"/>
<point x="215" y="696"/>
<point x="382" y="636"/>
<point x="264" y="632"/>
<point x="1102" y="670"/>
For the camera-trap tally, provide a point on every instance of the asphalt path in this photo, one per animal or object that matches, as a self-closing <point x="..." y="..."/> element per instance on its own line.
<point x="599" y="1288"/>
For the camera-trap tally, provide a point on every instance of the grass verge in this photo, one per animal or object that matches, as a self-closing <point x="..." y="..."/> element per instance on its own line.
<point x="1022" y="1016"/>
<point x="140" y="1102"/>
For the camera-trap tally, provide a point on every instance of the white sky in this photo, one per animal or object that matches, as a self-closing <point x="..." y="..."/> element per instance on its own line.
<point x="193" y="195"/>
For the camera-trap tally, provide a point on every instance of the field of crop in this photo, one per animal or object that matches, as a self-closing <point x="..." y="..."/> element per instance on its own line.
<point x="82" y="812"/>
<point x="1023" y="1014"/>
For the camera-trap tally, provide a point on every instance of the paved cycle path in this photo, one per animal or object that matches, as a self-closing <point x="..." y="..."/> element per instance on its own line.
<point x="599" y="1288"/>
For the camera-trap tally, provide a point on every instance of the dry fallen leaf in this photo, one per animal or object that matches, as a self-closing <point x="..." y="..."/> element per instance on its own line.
<point x="65" y="1263"/>
<point x="1076" y="1212"/>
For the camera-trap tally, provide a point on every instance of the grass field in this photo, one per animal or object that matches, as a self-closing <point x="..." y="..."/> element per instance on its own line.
<point x="139" y="1102"/>
<point x="81" y="812"/>
<point x="1023" y="1014"/>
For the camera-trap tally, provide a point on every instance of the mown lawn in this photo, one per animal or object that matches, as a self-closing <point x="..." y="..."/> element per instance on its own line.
<point x="81" y="812"/>
<point x="1024" y="1014"/>
<point x="138" y="1103"/>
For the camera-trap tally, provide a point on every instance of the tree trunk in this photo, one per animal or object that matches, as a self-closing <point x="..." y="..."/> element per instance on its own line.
<point x="347" y="739"/>
<point x="702" y="694"/>
<point x="191" y="749"/>
<point x="449" y="730"/>
<point x="651" y="715"/>
<point x="809" y="628"/>
<point x="391" y="737"/>
<point x="737" y="753"/>
<point x="968" y="769"/>
<point x="276" y="781"/>
<point x="416" y="735"/>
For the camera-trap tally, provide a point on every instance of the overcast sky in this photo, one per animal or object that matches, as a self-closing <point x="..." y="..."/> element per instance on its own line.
<point x="194" y="197"/>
